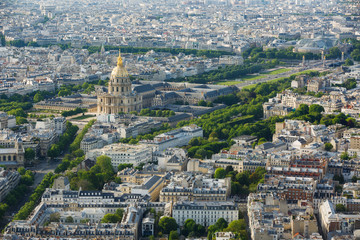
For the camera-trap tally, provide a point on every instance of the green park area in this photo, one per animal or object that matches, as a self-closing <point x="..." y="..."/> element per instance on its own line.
<point x="308" y="72"/>
<point x="255" y="76"/>
<point x="83" y="117"/>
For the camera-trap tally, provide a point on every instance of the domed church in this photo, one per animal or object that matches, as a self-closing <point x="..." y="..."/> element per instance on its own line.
<point x="119" y="96"/>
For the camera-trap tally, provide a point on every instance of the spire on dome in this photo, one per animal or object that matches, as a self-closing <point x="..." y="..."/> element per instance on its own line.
<point x="120" y="61"/>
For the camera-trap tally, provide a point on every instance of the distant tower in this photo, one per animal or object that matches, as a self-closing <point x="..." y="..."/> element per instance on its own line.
<point x="303" y="61"/>
<point x="102" y="51"/>
<point x="342" y="56"/>
<point x="324" y="59"/>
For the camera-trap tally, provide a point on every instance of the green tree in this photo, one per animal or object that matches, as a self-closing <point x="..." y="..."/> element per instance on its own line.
<point x="38" y="97"/>
<point x="315" y="108"/>
<point x="236" y="226"/>
<point x="202" y="103"/>
<point x="220" y="173"/>
<point x="328" y="147"/>
<point x="18" y="112"/>
<point x="189" y="226"/>
<point x="262" y="140"/>
<point x="213" y="137"/>
<point x="86" y="220"/>
<point x="229" y="169"/>
<point x="85" y="85"/>
<point x="64" y="92"/>
<point x="349" y="62"/>
<point x="340" y="208"/>
<point x="355" y="54"/>
<point x="78" y="153"/>
<point x="339" y="178"/>
<point x="302" y="110"/>
<point x="54" y="151"/>
<point x="120" y="212"/>
<point x="201" y="153"/>
<point x="211" y="230"/>
<point x="104" y="162"/>
<point x="29" y="154"/>
<point x="167" y="224"/>
<point x="27" y="180"/>
<point x="354" y="179"/>
<point x="111" y="218"/>
<point x="55" y="217"/>
<point x="173" y="235"/>
<point x="69" y="219"/>
<point x="2" y="40"/>
<point x="221" y="223"/>
<point x="334" y="52"/>
<point x="122" y="166"/>
<point x="344" y="156"/>
<point x="21" y="170"/>
<point x="21" y="120"/>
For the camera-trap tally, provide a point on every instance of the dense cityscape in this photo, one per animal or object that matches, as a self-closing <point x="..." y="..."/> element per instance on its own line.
<point x="180" y="119"/>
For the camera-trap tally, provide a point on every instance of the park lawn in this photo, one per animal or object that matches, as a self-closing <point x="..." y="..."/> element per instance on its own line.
<point x="271" y="81"/>
<point x="229" y="83"/>
<point x="254" y="77"/>
<point x="249" y="86"/>
<point x="281" y="78"/>
<point x="83" y="117"/>
<point x="245" y="78"/>
<point x="278" y="71"/>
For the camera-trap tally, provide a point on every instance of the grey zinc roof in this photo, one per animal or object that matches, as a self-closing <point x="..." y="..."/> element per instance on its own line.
<point x="143" y="88"/>
<point x="149" y="183"/>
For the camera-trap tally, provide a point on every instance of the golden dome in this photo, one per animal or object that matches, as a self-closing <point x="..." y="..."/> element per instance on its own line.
<point x="119" y="70"/>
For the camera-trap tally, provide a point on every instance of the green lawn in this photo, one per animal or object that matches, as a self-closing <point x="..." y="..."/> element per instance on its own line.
<point x="229" y="83"/>
<point x="249" y="86"/>
<point x="254" y="77"/>
<point x="271" y="81"/>
<point x="246" y="78"/>
<point x="83" y="117"/>
<point x="278" y="71"/>
<point x="277" y="79"/>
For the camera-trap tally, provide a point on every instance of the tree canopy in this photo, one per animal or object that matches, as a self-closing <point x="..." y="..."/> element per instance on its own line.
<point x="167" y="224"/>
<point x="220" y="173"/>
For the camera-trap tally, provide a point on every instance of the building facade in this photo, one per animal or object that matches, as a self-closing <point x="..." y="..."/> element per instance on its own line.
<point x="8" y="181"/>
<point x="123" y="153"/>
<point x="205" y="213"/>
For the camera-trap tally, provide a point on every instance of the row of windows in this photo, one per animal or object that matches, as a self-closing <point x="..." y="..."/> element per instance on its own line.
<point x="121" y="109"/>
<point x="122" y="89"/>
<point x="8" y="158"/>
<point x="117" y="80"/>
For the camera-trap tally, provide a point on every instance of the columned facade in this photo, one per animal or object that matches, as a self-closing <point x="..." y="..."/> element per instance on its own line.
<point x="120" y="97"/>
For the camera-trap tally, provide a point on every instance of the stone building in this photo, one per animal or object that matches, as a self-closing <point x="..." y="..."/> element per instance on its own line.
<point x="119" y="96"/>
<point x="205" y="213"/>
<point x="13" y="158"/>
